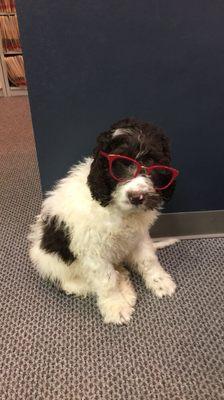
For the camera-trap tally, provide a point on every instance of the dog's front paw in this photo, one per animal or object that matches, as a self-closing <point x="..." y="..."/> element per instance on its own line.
<point x="118" y="307"/>
<point x="116" y="310"/>
<point x="161" y="284"/>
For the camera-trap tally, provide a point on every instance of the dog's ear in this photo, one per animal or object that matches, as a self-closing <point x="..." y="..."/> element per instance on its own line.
<point x="162" y="150"/>
<point x="165" y="145"/>
<point x="166" y="159"/>
<point x="99" y="180"/>
<point x="103" y="142"/>
<point x="168" y="193"/>
<point x="159" y="144"/>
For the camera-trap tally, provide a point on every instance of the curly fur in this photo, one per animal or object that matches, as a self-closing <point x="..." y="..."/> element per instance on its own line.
<point x="88" y="229"/>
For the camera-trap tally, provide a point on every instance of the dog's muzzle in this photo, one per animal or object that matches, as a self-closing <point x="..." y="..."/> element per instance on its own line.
<point x="148" y="200"/>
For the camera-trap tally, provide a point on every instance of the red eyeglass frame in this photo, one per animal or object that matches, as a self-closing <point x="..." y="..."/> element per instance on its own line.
<point x="112" y="157"/>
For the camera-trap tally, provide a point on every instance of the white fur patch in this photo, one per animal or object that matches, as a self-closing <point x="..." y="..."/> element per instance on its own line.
<point x="121" y="131"/>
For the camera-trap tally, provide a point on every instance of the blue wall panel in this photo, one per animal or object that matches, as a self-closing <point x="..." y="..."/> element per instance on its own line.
<point x="90" y="63"/>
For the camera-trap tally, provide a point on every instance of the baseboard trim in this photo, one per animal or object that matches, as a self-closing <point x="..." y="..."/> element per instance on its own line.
<point x="185" y="225"/>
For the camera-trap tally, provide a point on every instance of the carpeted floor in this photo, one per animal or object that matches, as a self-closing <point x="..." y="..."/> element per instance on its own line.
<point x="55" y="347"/>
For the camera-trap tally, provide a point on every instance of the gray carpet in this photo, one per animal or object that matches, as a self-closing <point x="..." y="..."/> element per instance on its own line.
<point x="55" y="347"/>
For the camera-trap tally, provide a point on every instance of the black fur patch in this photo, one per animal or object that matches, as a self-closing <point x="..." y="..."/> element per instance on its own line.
<point x="141" y="140"/>
<point x="56" y="239"/>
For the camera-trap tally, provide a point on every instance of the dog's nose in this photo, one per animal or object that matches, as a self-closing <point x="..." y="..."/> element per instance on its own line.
<point x="136" y="198"/>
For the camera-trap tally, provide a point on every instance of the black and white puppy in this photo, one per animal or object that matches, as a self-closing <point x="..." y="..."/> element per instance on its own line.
<point x="97" y="219"/>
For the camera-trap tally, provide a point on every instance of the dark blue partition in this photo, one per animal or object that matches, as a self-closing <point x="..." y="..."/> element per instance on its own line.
<point x="90" y="63"/>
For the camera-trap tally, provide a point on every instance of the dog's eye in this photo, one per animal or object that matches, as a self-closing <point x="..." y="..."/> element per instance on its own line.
<point x="123" y="168"/>
<point x="161" y="177"/>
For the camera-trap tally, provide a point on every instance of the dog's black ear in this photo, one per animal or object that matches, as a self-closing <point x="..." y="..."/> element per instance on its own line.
<point x="99" y="180"/>
<point x="165" y="144"/>
<point x="158" y="143"/>
<point x="166" y="159"/>
<point x="163" y="156"/>
<point x="168" y="193"/>
<point x="103" y="142"/>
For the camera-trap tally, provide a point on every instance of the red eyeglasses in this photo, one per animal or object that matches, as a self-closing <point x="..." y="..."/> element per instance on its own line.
<point x="124" y="168"/>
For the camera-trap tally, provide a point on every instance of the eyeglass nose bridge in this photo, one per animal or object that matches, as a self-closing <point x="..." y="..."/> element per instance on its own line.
<point x="144" y="170"/>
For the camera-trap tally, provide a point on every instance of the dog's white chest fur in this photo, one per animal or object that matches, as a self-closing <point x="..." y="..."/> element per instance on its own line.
<point x="121" y="237"/>
<point x="130" y="232"/>
<point x="110" y="235"/>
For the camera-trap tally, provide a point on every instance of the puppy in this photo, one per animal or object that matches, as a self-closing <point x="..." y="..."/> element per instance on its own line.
<point x="96" y="220"/>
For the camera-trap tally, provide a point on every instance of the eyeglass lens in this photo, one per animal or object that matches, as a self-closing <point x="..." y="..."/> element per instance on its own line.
<point x="123" y="168"/>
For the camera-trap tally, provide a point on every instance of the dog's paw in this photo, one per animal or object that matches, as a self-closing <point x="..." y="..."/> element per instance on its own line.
<point x="161" y="284"/>
<point x="118" y="307"/>
<point x="116" y="311"/>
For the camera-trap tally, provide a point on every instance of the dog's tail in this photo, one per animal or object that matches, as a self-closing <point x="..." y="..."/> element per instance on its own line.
<point x="164" y="243"/>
